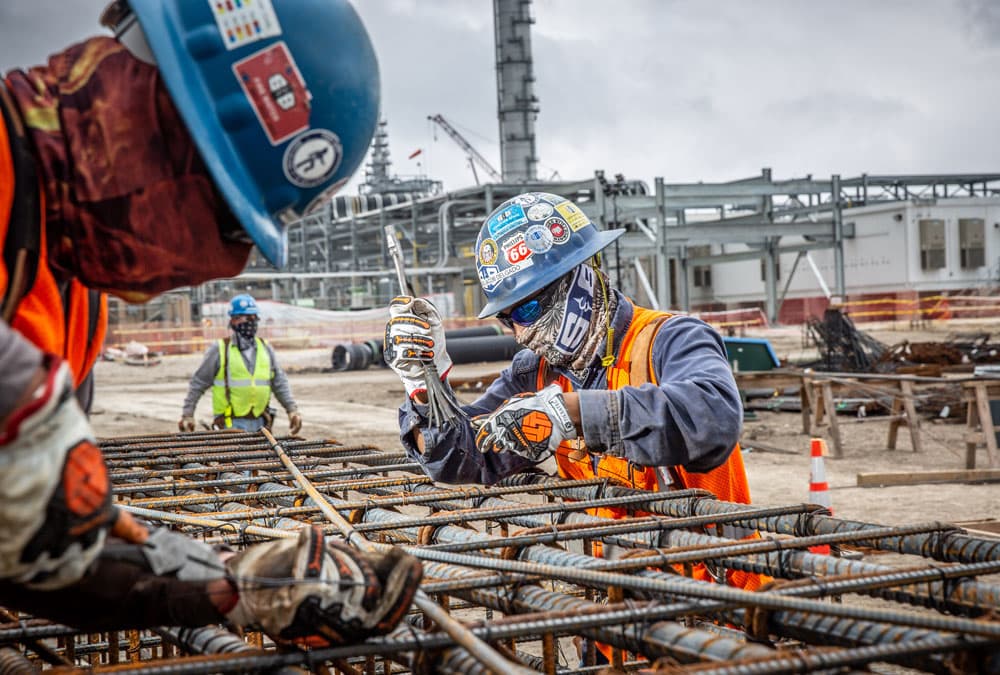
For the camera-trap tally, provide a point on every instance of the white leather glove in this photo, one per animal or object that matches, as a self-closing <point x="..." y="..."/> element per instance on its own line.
<point x="55" y="498"/>
<point x="530" y="425"/>
<point x="315" y="592"/>
<point x="414" y="335"/>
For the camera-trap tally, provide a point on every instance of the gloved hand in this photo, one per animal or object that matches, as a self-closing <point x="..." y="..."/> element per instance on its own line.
<point x="414" y="334"/>
<point x="530" y="425"/>
<point x="294" y="422"/>
<point x="317" y="592"/>
<point x="186" y="423"/>
<point x="55" y="498"/>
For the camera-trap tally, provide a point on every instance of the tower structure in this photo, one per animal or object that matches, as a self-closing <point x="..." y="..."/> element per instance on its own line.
<point x="517" y="105"/>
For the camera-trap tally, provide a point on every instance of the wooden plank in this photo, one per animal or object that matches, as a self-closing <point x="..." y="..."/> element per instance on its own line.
<point x="912" y="421"/>
<point x="986" y="423"/>
<point x="925" y="477"/>
<point x="831" y="414"/>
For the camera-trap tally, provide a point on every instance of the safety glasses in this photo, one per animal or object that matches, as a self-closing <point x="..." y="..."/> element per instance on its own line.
<point x="524" y="314"/>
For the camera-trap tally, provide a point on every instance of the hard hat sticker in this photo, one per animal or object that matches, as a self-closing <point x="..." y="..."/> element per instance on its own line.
<point x="515" y="249"/>
<point x="538" y="239"/>
<point x="506" y="220"/>
<point x="559" y="230"/>
<point x="242" y="22"/>
<point x="576" y="218"/>
<point x="488" y="252"/>
<point x="312" y="157"/>
<point x="540" y="211"/>
<point x="490" y="276"/>
<point x="276" y="91"/>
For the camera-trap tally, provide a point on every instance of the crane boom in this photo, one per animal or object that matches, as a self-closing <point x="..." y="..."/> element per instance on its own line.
<point x="473" y="154"/>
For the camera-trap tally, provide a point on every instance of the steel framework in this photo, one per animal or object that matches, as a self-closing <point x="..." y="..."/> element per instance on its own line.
<point x="341" y="247"/>
<point x="510" y="578"/>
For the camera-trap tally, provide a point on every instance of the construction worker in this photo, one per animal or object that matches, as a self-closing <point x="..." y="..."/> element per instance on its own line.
<point x="133" y="166"/>
<point x="242" y="372"/>
<point x="613" y="390"/>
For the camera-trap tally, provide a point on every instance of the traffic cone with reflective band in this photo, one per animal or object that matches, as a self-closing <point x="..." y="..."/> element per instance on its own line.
<point x="819" y="489"/>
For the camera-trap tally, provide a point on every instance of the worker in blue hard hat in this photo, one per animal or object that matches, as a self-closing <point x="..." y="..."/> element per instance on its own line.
<point x="242" y="372"/>
<point x="133" y="165"/>
<point x="612" y="390"/>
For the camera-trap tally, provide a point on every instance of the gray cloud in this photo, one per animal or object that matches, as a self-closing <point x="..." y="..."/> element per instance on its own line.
<point x="684" y="89"/>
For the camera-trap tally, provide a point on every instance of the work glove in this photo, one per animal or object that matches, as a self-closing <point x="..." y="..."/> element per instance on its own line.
<point x="55" y="498"/>
<point x="530" y="425"/>
<point x="186" y="423"/>
<point x="414" y="335"/>
<point x="294" y="422"/>
<point x="316" y="592"/>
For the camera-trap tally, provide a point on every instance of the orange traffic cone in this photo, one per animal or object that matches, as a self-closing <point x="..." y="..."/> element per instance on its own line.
<point x="819" y="489"/>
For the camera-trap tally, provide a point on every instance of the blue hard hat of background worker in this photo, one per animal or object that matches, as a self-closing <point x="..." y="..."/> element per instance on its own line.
<point x="530" y="241"/>
<point x="280" y="97"/>
<point x="243" y="305"/>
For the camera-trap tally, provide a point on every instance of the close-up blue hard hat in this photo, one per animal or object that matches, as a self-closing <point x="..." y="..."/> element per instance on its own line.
<point x="281" y="97"/>
<point x="530" y="241"/>
<point x="243" y="305"/>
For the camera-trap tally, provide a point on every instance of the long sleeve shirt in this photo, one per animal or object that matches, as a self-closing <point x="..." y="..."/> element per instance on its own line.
<point x="692" y="417"/>
<point x="204" y="377"/>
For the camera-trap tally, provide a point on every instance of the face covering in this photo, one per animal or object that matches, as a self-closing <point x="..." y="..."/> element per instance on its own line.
<point x="246" y="331"/>
<point x="129" y="206"/>
<point x="574" y="324"/>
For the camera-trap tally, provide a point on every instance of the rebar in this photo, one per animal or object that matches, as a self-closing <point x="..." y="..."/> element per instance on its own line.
<point x="495" y="572"/>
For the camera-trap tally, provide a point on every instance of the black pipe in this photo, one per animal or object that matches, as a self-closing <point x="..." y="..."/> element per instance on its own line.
<point x="489" y="329"/>
<point x="486" y="348"/>
<point x="351" y="357"/>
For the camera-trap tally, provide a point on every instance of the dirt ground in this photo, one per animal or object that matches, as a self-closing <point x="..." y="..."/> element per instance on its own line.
<point x="360" y="406"/>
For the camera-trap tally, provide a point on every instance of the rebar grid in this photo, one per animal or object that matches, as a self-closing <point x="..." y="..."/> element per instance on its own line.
<point x="514" y="581"/>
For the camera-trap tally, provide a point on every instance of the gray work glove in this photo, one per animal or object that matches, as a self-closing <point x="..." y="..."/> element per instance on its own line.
<point x="316" y="592"/>
<point x="530" y="425"/>
<point x="414" y="335"/>
<point x="186" y="423"/>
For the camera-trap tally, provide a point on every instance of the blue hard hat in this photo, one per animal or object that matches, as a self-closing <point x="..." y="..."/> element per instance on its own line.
<point x="281" y="98"/>
<point x="243" y="305"/>
<point x="530" y="241"/>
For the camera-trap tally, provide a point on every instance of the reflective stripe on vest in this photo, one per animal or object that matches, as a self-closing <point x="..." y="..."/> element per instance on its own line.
<point x="248" y="394"/>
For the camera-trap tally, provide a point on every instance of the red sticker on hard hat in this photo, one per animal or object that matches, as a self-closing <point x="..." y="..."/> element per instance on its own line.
<point x="276" y="91"/>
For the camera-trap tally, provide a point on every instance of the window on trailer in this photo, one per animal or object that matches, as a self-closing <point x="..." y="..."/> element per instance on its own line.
<point x="972" y="242"/>
<point x="932" y="244"/>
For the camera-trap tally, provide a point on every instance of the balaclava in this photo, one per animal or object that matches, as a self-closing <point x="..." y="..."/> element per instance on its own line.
<point x="129" y="206"/>
<point x="245" y="332"/>
<point x="574" y="323"/>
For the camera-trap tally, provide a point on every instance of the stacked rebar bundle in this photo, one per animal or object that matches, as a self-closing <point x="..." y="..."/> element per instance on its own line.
<point x="511" y="582"/>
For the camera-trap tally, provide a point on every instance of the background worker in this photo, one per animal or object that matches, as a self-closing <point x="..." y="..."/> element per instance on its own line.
<point x="242" y="371"/>
<point x="611" y="389"/>
<point x="133" y="166"/>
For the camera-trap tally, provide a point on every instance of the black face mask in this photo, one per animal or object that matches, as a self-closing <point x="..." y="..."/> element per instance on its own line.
<point x="246" y="330"/>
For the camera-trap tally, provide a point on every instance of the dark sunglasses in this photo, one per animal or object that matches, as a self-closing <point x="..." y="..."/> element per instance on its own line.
<point x="524" y="314"/>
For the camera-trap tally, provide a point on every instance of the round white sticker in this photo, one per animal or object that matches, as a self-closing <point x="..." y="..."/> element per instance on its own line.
<point x="312" y="157"/>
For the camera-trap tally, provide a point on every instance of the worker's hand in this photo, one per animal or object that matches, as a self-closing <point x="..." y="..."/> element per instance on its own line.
<point x="414" y="335"/>
<point x="530" y="425"/>
<point x="294" y="422"/>
<point x="314" y="591"/>
<point x="55" y="498"/>
<point x="186" y="423"/>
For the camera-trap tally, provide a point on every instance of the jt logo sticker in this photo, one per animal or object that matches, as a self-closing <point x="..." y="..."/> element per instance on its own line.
<point x="312" y="158"/>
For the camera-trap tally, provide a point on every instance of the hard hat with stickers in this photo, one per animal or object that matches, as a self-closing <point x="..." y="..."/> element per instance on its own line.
<point x="530" y="241"/>
<point x="281" y="98"/>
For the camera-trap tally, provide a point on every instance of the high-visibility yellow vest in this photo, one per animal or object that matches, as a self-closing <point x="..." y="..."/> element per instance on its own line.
<point x="236" y="392"/>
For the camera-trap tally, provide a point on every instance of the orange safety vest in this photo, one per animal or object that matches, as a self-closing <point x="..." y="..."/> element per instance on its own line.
<point x="69" y="320"/>
<point x="728" y="481"/>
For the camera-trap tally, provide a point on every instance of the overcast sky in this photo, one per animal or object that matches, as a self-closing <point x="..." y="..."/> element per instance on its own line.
<point x="685" y="89"/>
